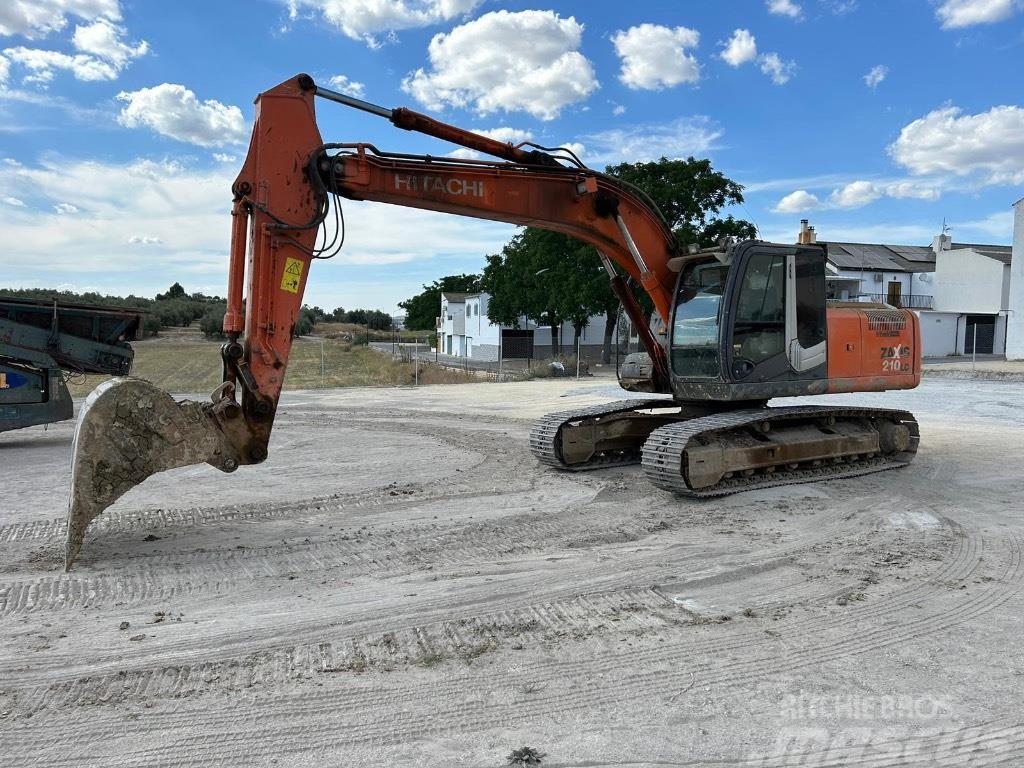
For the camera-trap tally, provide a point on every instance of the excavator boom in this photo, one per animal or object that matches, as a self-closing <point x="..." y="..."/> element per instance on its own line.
<point x="282" y="198"/>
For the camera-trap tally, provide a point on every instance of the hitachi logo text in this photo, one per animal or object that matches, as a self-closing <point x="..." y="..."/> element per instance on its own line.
<point x="458" y="187"/>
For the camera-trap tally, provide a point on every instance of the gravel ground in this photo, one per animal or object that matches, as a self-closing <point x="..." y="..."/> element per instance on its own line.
<point x="400" y="584"/>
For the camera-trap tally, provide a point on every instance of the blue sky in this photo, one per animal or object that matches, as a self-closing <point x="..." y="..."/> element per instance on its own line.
<point x="123" y="123"/>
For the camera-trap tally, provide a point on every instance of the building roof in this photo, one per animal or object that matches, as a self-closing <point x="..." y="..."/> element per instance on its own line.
<point x="1001" y="253"/>
<point x="454" y="298"/>
<point x="884" y="258"/>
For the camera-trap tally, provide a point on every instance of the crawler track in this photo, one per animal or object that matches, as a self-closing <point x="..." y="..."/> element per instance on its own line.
<point x="665" y="452"/>
<point x="545" y="436"/>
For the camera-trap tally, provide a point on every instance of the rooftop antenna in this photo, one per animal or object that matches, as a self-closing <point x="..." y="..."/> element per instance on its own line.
<point x="946" y="229"/>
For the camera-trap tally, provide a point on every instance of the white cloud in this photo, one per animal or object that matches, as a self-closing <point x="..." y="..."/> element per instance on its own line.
<point x="524" y="61"/>
<point x="841" y="7"/>
<point x="5" y="69"/>
<point x="33" y="18"/>
<point x="365" y="19"/>
<point x="103" y="55"/>
<point x="223" y="157"/>
<point x="778" y="70"/>
<point x="956" y="14"/>
<point x="146" y="198"/>
<point x="740" y="48"/>
<point x="798" y="202"/>
<point x="618" y="110"/>
<point x="173" y="110"/>
<point x="784" y="8"/>
<point x="856" y="194"/>
<point x="877" y="74"/>
<point x="644" y="143"/>
<point x="65" y="209"/>
<point x="946" y="141"/>
<point x="12" y="201"/>
<point x="42" y="65"/>
<point x="915" y="190"/>
<point x="104" y="40"/>
<point x="349" y="87"/>
<point x="998" y="226"/>
<point x="655" y="57"/>
<point x="144" y="240"/>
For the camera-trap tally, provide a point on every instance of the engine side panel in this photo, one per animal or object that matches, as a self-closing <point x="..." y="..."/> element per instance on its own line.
<point x="873" y="348"/>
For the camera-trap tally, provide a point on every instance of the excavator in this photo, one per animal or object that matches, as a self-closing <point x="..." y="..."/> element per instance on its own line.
<point x="745" y="322"/>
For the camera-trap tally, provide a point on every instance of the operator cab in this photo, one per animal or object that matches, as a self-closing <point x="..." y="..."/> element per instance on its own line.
<point x="749" y="323"/>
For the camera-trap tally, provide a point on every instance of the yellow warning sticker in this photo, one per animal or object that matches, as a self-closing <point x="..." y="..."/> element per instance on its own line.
<point x="292" y="275"/>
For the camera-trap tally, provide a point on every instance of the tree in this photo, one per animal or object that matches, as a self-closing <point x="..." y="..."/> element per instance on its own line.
<point x="305" y="321"/>
<point x="176" y="291"/>
<point x="212" y="322"/>
<point x="690" y="194"/>
<point x="548" y="277"/>
<point x="421" y="310"/>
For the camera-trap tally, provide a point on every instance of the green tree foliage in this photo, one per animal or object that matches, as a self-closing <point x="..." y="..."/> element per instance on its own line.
<point x="421" y="310"/>
<point x="212" y="321"/>
<point x="549" y="278"/>
<point x="691" y="195"/>
<point x="374" y="318"/>
<point x="306" y="322"/>
<point x="176" y="291"/>
<point x="173" y="308"/>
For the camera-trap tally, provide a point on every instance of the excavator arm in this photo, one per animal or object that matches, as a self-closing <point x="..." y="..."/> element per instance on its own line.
<point x="289" y="186"/>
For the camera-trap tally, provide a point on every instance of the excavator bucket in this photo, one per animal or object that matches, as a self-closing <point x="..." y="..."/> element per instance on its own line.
<point x="127" y="430"/>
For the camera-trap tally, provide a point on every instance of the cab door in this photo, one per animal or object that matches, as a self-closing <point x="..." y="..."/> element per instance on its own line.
<point x="778" y="315"/>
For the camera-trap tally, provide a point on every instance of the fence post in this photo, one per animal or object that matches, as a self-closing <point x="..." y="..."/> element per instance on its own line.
<point x="323" y="364"/>
<point x="416" y="361"/>
<point x="579" y="348"/>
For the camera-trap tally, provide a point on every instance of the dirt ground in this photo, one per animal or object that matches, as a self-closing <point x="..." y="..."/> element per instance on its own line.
<point x="400" y="584"/>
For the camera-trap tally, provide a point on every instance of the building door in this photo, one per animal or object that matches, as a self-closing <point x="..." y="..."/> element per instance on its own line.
<point x="469" y="346"/>
<point x="982" y="328"/>
<point x="895" y="294"/>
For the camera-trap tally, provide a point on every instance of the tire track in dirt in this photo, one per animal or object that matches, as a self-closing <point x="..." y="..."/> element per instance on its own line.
<point x="969" y="550"/>
<point x="630" y="611"/>
<point x="719" y="644"/>
<point x="167" y="575"/>
<point x="299" y="724"/>
<point x="596" y="577"/>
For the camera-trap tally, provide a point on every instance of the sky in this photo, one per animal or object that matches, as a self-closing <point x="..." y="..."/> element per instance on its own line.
<point x="123" y="122"/>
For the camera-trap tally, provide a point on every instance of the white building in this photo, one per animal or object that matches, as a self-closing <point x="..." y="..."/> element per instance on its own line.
<point x="464" y="330"/>
<point x="972" y="294"/>
<point x="901" y="275"/>
<point x="960" y="291"/>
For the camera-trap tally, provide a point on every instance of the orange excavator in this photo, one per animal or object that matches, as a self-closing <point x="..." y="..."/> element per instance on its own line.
<point x="745" y="322"/>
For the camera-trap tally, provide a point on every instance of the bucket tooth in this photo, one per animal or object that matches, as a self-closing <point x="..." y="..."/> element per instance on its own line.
<point x="127" y="430"/>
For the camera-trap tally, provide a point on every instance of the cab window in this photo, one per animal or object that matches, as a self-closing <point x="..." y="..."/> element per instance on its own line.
<point x="810" y="299"/>
<point x="695" y="327"/>
<point x="760" y="322"/>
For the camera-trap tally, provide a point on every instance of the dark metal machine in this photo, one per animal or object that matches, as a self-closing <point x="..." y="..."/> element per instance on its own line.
<point x="42" y="342"/>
